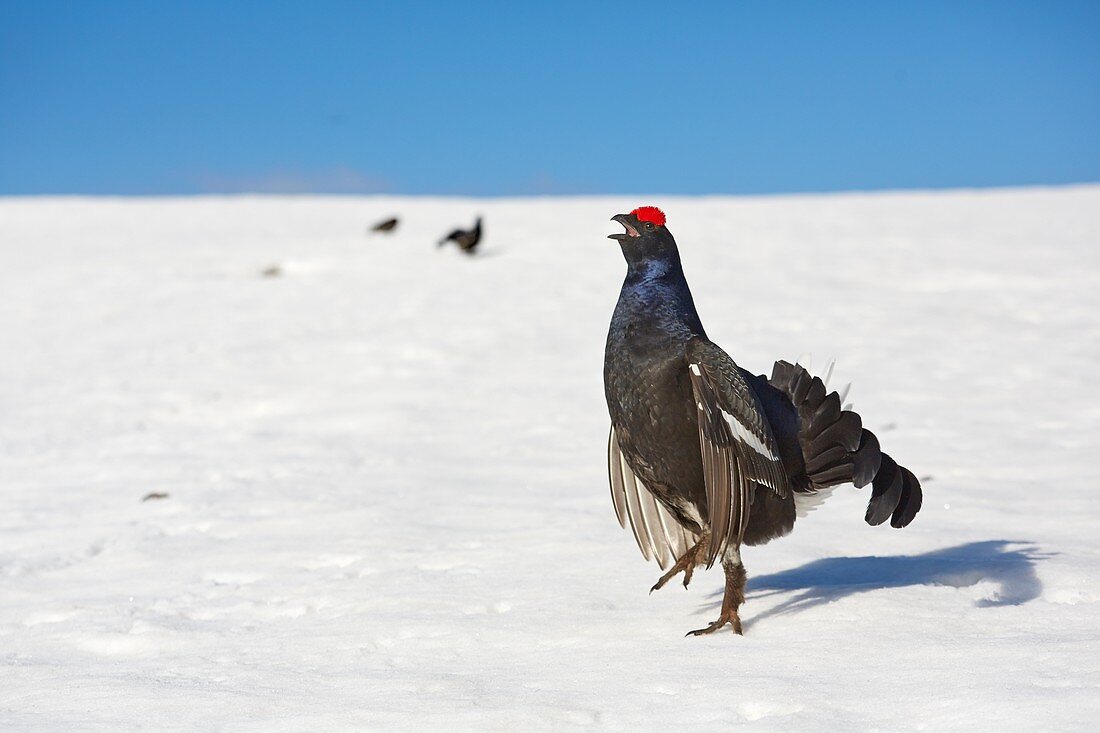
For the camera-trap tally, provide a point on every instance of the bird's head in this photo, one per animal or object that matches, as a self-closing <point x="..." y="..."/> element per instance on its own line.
<point x="646" y="240"/>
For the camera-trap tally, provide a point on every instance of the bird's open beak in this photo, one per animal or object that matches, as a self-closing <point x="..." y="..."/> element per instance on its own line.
<point x="625" y="221"/>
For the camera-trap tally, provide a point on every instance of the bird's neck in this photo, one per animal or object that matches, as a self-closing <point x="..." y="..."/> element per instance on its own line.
<point x="654" y="270"/>
<point x="656" y="292"/>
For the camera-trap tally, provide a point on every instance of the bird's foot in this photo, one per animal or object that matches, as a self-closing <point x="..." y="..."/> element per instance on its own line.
<point x="727" y="617"/>
<point x="733" y="597"/>
<point x="686" y="564"/>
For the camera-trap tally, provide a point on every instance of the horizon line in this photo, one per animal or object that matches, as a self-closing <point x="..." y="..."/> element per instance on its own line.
<point x="383" y="194"/>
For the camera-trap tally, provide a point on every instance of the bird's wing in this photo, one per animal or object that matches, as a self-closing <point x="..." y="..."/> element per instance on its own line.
<point x="658" y="534"/>
<point x="736" y="443"/>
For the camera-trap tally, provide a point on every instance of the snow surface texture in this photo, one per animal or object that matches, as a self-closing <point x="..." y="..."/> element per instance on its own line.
<point x="387" y="501"/>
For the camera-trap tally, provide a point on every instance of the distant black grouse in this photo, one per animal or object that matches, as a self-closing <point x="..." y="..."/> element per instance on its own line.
<point x="466" y="239"/>
<point x="704" y="456"/>
<point x="386" y="225"/>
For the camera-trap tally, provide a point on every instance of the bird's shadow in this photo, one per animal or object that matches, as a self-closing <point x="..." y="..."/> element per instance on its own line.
<point x="1009" y="564"/>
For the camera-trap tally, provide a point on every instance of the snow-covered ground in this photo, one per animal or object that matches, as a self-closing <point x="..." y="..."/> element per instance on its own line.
<point x="387" y="503"/>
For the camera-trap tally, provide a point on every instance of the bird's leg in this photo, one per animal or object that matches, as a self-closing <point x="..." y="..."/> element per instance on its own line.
<point x="685" y="564"/>
<point x="733" y="598"/>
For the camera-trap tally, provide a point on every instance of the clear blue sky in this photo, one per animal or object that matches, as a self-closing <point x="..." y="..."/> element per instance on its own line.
<point x="520" y="98"/>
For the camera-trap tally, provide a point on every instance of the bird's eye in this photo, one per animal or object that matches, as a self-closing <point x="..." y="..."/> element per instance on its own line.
<point x="649" y="225"/>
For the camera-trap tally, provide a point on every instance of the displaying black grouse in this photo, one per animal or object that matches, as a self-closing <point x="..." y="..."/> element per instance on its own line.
<point x="466" y="239"/>
<point x="704" y="456"/>
<point x="386" y="225"/>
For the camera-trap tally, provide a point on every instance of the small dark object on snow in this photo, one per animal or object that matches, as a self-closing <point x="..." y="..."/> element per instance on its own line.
<point x="155" y="495"/>
<point x="385" y="226"/>
<point x="704" y="456"/>
<point x="466" y="239"/>
<point x="272" y="271"/>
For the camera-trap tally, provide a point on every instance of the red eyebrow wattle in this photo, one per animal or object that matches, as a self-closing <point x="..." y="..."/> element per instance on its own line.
<point x="651" y="214"/>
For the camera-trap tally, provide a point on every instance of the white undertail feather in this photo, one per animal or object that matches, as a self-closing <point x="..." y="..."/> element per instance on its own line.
<point x="828" y="374"/>
<point x="804" y="503"/>
<point x="843" y="392"/>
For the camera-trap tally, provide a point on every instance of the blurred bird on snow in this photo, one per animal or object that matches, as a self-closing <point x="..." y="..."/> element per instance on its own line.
<point x="466" y="239"/>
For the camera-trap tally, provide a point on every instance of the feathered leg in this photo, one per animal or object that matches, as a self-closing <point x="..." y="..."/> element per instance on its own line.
<point x="686" y="564"/>
<point x="733" y="598"/>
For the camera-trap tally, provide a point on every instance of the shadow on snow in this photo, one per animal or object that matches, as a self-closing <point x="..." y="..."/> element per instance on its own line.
<point x="1009" y="564"/>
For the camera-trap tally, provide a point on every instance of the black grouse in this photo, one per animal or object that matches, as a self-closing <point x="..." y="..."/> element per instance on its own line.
<point x="466" y="239"/>
<point x="387" y="225"/>
<point x="704" y="456"/>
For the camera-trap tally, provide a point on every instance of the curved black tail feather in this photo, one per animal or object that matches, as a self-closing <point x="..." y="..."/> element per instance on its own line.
<point x="837" y="449"/>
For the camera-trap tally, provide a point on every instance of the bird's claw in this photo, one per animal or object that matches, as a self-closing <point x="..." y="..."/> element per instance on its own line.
<point x="688" y="571"/>
<point x="727" y="617"/>
<point x="686" y="565"/>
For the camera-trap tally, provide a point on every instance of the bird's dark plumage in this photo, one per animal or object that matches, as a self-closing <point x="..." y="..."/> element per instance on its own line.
<point x="386" y="225"/>
<point x="466" y="239"/>
<point x="704" y="456"/>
